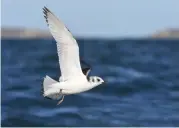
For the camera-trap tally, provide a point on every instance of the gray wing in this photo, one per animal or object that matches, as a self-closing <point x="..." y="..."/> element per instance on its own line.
<point x="67" y="47"/>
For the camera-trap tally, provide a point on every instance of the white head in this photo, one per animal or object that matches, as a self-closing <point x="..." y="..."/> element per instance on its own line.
<point x="95" y="80"/>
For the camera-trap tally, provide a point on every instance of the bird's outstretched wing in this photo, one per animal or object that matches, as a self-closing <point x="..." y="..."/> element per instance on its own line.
<point x="87" y="69"/>
<point x="67" y="47"/>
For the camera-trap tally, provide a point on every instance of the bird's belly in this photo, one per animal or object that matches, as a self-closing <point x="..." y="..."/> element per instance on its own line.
<point x="75" y="87"/>
<point x="75" y="91"/>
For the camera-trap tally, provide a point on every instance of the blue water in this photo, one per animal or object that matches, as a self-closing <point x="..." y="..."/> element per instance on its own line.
<point x="142" y="86"/>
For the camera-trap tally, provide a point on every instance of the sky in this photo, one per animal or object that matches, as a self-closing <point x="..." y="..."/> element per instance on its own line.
<point x="96" y="18"/>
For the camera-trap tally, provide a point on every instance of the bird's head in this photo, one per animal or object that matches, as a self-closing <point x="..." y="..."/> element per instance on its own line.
<point x="95" y="80"/>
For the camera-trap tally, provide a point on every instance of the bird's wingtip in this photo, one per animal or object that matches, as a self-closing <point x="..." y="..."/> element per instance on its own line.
<point x="45" y="9"/>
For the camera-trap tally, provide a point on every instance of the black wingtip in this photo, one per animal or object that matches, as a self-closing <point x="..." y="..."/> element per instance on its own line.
<point x="45" y="11"/>
<point x="45" y="8"/>
<point x="85" y="71"/>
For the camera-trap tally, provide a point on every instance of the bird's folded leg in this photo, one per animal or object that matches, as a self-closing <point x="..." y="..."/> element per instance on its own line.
<point x="59" y="102"/>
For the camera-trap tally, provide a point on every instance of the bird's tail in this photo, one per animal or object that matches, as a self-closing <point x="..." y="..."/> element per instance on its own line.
<point x="47" y="83"/>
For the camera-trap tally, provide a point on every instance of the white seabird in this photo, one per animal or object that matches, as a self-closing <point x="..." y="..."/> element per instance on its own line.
<point x="73" y="79"/>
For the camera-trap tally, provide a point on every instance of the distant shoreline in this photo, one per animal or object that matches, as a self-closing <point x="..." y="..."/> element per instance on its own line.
<point x="26" y="33"/>
<point x="23" y="33"/>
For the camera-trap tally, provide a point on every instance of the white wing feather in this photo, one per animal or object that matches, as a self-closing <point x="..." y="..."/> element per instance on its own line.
<point x="67" y="47"/>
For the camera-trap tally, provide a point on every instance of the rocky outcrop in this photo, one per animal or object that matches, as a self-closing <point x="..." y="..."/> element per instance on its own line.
<point x="168" y="33"/>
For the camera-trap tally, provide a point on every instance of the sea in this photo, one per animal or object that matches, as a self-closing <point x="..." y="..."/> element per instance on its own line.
<point x="141" y="84"/>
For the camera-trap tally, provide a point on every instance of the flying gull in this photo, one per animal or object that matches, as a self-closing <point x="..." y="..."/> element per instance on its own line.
<point x="73" y="78"/>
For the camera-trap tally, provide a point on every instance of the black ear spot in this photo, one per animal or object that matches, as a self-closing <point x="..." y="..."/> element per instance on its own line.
<point x="98" y="80"/>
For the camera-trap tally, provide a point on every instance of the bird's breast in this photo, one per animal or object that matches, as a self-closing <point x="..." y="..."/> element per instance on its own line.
<point x="76" y="89"/>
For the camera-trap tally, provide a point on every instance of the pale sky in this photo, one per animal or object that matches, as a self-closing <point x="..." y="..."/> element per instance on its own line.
<point x="97" y="18"/>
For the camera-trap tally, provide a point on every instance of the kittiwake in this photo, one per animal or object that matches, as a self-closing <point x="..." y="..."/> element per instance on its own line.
<point x="73" y="79"/>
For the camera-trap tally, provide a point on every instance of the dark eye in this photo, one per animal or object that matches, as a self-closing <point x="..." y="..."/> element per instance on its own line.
<point x="92" y="80"/>
<point x="98" y="80"/>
